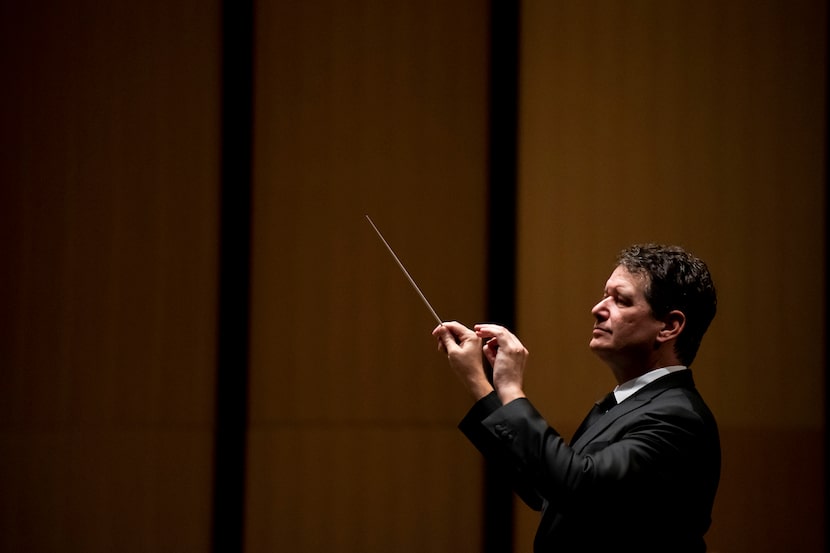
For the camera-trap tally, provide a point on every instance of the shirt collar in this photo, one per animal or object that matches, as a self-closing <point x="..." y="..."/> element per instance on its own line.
<point x="628" y="389"/>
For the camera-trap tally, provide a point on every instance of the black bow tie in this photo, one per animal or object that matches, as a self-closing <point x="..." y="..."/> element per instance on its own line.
<point x="606" y="403"/>
<point x="597" y="411"/>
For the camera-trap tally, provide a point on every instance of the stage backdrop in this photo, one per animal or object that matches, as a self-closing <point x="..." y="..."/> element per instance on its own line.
<point x="702" y="124"/>
<point x="109" y="172"/>
<point x="380" y="109"/>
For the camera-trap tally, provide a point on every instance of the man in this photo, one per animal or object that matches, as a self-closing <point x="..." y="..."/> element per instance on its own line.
<point x="641" y="472"/>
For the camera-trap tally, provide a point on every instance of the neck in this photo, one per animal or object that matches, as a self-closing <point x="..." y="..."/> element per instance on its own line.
<point x="625" y="370"/>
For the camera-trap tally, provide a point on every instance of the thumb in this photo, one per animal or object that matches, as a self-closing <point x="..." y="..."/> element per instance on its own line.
<point x="445" y="337"/>
<point x="491" y="349"/>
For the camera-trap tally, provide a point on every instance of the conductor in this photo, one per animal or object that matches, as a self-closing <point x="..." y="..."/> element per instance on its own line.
<point x="641" y="472"/>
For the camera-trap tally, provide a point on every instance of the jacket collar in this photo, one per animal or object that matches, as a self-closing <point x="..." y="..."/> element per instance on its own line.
<point x="679" y="379"/>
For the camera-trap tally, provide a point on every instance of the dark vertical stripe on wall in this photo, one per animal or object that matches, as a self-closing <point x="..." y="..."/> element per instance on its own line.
<point x="826" y="269"/>
<point x="234" y="276"/>
<point x="501" y="245"/>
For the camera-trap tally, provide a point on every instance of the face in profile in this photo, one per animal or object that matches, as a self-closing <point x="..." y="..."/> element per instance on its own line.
<point x="625" y="329"/>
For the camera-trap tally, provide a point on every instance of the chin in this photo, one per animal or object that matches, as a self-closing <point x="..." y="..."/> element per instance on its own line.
<point x="596" y="345"/>
<point x="599" y="349"/>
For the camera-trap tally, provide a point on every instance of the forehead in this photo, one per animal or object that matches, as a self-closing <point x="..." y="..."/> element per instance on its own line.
<point x="624" y="280"/>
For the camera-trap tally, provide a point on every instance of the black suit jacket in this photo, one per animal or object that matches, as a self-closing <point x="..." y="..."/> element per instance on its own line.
<point x="643" y="478"/>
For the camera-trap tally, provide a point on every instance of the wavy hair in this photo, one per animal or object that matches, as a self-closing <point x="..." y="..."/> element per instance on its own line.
<point x="675" y="280"/>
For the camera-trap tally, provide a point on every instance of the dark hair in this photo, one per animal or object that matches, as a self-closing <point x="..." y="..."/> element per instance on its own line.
<point x="675" y="280"/>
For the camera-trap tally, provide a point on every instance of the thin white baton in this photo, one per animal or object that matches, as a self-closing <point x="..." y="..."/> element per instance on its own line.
<point x="405" y="272"/>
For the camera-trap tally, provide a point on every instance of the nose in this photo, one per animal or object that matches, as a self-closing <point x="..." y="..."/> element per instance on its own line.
<point x="599" y="310"/>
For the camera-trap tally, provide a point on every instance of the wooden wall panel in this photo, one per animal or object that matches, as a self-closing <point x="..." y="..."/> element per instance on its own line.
<point x="108" y="186"/>
<point x="364" y="108"/>
<point x="703" y="124"/>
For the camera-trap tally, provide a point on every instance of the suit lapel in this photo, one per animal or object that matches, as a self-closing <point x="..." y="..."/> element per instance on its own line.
<point x="680" y="379"/>
<point x="616" y="412"/>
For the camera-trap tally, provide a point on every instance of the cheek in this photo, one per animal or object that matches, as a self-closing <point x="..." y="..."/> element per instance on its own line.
<point x="631" y="327"/>
<point x="639" y="329"/>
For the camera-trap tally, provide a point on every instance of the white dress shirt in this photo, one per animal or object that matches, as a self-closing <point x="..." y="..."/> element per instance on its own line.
<point x="628" y="389"/>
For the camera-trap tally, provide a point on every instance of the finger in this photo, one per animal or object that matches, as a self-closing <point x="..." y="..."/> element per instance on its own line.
<point x="455" y="327"/>
<point x="491" y="349"/>
<point x="445" y="338"/>
<point x="453" y="335"/>
<point x="489" y="330"/>
<point x="457" y="331"/>
<point x="492" y="345"/>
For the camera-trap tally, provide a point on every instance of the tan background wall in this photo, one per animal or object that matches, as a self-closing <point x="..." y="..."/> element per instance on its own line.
<point x="108" y="210"/>
<point x="697" y="123"/>
<point x="364" y="108"/>
<point x="110" y="175"/>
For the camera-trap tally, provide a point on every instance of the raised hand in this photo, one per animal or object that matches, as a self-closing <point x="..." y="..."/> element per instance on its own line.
<point x="463" y="349"/>
<point x="507" y="356"/>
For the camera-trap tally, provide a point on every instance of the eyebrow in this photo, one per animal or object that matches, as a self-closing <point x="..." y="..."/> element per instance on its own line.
<point x="620" y="289"/>
<point x="615" y="287"/>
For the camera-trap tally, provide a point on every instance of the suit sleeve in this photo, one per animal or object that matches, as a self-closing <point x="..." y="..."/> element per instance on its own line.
<point x="633" y="454"/>
<point x="483" y="438"/>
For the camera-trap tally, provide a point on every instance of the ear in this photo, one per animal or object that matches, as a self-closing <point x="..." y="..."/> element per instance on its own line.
<point x="673" y="324"/>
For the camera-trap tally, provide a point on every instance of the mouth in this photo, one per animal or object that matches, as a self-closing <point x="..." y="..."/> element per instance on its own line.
<point x="598" y="330"/>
